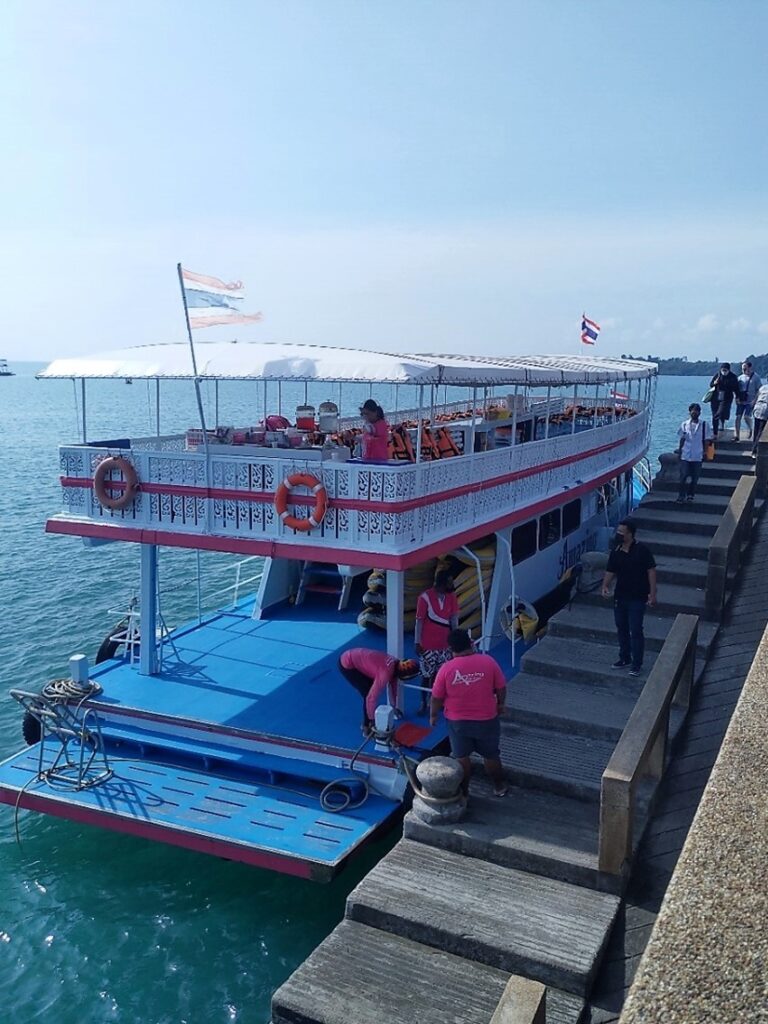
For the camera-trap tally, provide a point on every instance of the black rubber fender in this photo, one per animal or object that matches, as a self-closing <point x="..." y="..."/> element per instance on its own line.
<point x="109" y="647"/>
<point x="31" y="729"/>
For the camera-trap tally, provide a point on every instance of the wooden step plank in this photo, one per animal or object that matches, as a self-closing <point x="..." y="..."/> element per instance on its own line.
<point x="544" y="929"/>
<point x="565" y="705"/>
<point x="362" y="975"/>
<point x="702" y="504"/>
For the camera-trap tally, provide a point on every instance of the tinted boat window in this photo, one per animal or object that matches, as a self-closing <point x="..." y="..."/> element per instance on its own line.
<point x="549" y="528"/>
<point x="523" y="541"/>
<point x="571" y="516"/>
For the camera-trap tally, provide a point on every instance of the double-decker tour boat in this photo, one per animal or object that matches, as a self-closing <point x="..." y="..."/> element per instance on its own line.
<point x="235" y="733"/>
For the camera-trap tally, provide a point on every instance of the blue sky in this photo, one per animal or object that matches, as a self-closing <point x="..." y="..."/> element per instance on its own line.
<point x="444" y="176"/>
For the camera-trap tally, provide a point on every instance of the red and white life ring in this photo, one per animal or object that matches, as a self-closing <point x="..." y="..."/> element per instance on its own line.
<point x="321" y="501"/>
<point x="128" y="486"/>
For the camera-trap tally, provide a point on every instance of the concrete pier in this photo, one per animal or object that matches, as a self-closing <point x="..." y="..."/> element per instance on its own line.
<point x="517" y="888"/>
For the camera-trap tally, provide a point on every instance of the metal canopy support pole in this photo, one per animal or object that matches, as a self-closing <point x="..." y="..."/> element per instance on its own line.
<point x="264" y="399"/>
<point x="418" y="425"/>
<point x="614" y="400"/>
<point x="513" y="438"/>
<point x="279" y="398"/>
<point x="546" y="425"/>
<point x="148" y="622"/>
<point x="597" y="397"/>
<point x="575" y="406"/>
<point x="82" y="395"/>
<point x="395" y="612"/>
<point x="216" y="401"/>
<point x="474" y="420"/>
<point x="157" y="405"/>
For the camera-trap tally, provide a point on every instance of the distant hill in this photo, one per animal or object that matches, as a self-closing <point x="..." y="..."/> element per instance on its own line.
<point x="681" y="366"/>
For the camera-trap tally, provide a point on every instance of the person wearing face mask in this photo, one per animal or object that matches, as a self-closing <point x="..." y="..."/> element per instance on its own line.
<point x="437" y="613"/>
<point x="633" y="567"/>
<point x="749" y="385"/>
<point x="725" y="385"/>
<point x="692" y="438"/>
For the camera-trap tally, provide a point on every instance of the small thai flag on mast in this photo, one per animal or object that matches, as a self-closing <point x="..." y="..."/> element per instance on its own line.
<point x="589" y="330"/>
<point x="210" y="302"/>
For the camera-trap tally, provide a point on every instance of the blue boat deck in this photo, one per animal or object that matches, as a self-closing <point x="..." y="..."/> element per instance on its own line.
<point x="227" y="749"/>
<point x="266" y="825"/>
<point x="275" y="678"/>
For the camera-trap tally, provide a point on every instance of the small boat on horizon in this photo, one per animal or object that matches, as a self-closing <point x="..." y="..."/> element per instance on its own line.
<point x="235" y="733"/>
<point x="4" y="371"/>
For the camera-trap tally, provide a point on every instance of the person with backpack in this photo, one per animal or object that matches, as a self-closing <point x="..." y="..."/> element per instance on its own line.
<point x="692" y="438"/>
<point x="724" y="387"/>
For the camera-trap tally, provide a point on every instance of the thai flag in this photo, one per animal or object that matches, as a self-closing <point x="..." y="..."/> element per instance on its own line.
<point x="211" y="302"/>
<point x="589" y="330"/>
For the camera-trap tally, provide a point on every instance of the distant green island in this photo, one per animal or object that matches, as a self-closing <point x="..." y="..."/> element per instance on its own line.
<point x="681" y="366"/>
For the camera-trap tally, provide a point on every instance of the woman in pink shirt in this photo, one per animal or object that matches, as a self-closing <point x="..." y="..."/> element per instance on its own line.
<point x="372" y="673"/>
<point x="472" y="692"/>
<point x="375" y="432"/>
<point x="437" y="613"/>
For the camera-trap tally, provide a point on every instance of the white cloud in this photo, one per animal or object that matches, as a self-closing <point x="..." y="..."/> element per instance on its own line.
<point x="610" y="321"/>
<point x="763" y="327"/>
<point x="739" y="325"/>
<point x="707" y="323"/>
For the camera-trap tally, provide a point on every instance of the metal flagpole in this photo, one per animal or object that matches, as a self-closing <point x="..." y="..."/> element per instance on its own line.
<point x="199" y="396"/>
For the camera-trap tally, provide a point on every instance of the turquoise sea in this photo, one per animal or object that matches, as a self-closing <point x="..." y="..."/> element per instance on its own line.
<point x="94" y="926"/>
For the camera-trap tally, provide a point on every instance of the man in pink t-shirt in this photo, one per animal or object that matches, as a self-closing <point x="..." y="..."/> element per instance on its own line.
<point x="472" y="691"/>
<point x="372" y="673"/>
<point x="437" y="613"/>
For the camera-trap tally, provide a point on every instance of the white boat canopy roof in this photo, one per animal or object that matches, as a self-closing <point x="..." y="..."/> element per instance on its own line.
<point x="230" y="360"/>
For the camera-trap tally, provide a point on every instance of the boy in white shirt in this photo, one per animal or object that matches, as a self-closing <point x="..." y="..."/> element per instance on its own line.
<point x="692" y="437"/>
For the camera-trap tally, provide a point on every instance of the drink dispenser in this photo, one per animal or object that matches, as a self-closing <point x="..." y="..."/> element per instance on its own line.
<point x="305" y="417"/>
<point x="329" y="418"/>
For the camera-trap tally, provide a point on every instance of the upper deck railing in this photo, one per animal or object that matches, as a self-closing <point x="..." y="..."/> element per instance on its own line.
<point x="391" y="510"/>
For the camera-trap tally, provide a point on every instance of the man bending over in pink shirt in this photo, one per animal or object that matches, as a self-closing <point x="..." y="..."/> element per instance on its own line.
<point x="372" y="673"/>
<point x="472" y="692"/>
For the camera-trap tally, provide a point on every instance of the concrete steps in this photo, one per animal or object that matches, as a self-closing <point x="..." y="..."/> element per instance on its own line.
<point x="680" y="519"/>
<point x="679" y="545"/>
<point x="346" y="979"/>
<point x="709" y="484"/>
<point x="543" y="929"/>
<point x="703" y="504"/>
<point x="582" y="661"/>
<point x="691" y="572"/>
<point x="543" y="833"/>
<point x="582" y="709"/>
<point x="672" y="597"/>
<point x="556" y="762"/>
<point x="596" y="623"/>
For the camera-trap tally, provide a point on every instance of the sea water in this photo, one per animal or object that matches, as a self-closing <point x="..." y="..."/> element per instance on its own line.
<point x="96" y="926"/>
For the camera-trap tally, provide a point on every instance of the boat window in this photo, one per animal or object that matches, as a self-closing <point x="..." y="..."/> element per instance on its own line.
<point x="523" y="541"/>
<point x="571" y="516"/>
<point x="549" y="528"/>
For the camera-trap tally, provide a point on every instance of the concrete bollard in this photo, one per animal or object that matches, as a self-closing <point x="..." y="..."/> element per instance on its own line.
<point x="441" y="801"/>
<point x="669" y="463"/>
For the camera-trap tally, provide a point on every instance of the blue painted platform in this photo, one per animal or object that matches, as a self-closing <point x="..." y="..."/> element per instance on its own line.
<point x="276" y="677"/>
<point x="270" y="826"/>
<point x="228" y="748"/>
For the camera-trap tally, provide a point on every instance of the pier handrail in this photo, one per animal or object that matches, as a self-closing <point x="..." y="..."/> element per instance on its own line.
<point x="761" y="466"/>
<point x="724" y="552"/>
<point x="642" y="747"/>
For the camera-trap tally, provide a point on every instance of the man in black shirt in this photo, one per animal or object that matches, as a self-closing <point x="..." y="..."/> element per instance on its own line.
<point x="633" y="567"/>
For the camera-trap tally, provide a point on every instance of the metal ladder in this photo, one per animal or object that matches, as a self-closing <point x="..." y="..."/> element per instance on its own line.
<point x="72" y="728"/>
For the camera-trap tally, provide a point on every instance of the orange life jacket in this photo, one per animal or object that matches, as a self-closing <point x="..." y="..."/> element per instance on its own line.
<point x="445" y="443"/>
<point x="400" y="446"/>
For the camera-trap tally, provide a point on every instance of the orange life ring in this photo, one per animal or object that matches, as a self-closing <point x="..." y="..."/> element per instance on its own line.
<point x="101" y="484"/>
<point x="321" y="501"/>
